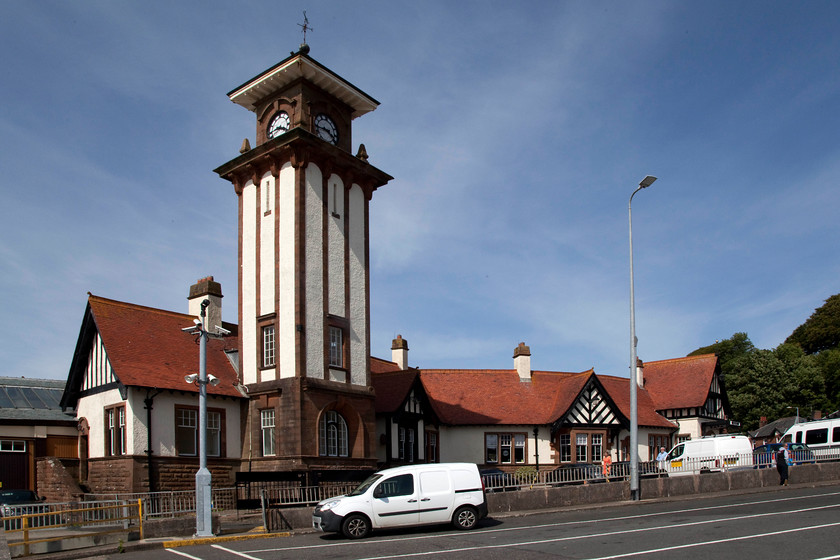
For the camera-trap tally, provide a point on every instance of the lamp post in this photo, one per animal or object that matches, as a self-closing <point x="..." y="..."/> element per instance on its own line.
<point x="634" y="421"/>
<point x="203" y="478"/>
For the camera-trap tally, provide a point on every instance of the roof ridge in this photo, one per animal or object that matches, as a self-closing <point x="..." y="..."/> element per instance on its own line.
<point x="126" y="305"/>
<point x="697" y="357"/>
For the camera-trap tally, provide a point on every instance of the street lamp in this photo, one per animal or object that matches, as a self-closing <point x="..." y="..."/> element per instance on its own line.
<point x="634" y="420"/>
<point x="203" y="479"/>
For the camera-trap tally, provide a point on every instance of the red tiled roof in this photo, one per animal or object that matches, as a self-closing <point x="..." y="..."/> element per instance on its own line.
<point x="391" y="388"/>
<point x="472" y="397"/>
<point x="618" y="389"/>
<point x="147" y="348"/>
<point x="680" y="382"/>
<point x="378" y="365"/>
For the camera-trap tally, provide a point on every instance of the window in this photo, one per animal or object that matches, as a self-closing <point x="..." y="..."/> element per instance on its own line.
<point x="16" y="446"/>
<point x="519" y="448"/>
<point x="336" y="347"/>
<point x="816" y="437"/>
<point x="406" y="436"/>
<point x="581" y="448"/>
<point x="402" y="485"/>
<point x="333" y="435"/>
<point x="268" y="347"/>
<point x="565" y="448"/>
<point x="655" y="442"/>
<point x="431" y="447"/>
<point x="491" y="444"/>
<point x="214" y="434"/>
<point x="835" y="435"/>
<point x="115" y="431"/>
<point x="186" y="432"/>
<point x="504" y="448"/>
<point x="597" y="447"/>
<point x="267" y="426"/>
<point x="186" y="429"/>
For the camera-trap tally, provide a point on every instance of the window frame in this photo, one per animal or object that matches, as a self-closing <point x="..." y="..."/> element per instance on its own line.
<point x="333" y="435"/>
<point x="268" y="432"/>
<point x="500" y="448"/>
<point x="115" y="432"/>
<point x="268" y="357"/>
<point x="215" y="436"/>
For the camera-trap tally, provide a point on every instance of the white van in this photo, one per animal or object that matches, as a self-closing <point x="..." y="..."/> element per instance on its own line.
<point x="712" y="453"/>
<point x="821" y="436"/>
<point x="406" y="496"/>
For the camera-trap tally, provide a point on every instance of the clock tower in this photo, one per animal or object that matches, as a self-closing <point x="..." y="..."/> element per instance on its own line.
<point x="304" y="312"/>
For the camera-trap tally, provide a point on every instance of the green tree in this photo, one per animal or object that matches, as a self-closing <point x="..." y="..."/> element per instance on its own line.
<point x="821" y="331"/>
<point x="829" y="363"/>
<point x="804" y="386"/>
<point x="755" y="387"/>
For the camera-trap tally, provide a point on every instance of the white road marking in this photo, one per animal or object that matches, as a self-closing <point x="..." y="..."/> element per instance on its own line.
<point x="235" y="552"/>
<point x="184" y="554"/>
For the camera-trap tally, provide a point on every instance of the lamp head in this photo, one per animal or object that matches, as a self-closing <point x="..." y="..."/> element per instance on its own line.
<point x="191" y="377"/>
<point x="647" y="181"/>
<point x="212" y="379"/>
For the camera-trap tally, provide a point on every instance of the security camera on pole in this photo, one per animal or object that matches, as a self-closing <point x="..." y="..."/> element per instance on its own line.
<point x="203" y="495"/>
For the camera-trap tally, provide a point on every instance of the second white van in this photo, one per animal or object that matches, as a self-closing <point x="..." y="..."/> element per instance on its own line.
<point x="712" y="453"/>
<point x="406" y="496"/>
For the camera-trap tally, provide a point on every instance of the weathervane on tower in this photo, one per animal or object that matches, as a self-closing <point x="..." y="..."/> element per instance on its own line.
<point x="304" y="48"/>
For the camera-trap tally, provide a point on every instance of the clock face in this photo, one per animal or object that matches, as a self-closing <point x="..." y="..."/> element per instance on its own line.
<point x="325" y="129"/>
<point x="279" y="124"/>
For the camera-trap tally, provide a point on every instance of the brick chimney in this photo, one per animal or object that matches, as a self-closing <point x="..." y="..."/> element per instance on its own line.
<point x="762" y="421"/>
<point x="399" y="352"/>
<point x="207" y="288"/>
<point x="522" y="361"/>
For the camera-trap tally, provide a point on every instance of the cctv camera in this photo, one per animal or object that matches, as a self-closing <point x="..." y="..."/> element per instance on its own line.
<point x="191" y="377"/>
<point x="197" y="322"/>
<point x="222" y="331"/>
<point x="212" y="379"/>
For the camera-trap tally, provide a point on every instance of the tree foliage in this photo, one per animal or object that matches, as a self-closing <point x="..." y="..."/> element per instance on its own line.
<point x="821" y="331"/>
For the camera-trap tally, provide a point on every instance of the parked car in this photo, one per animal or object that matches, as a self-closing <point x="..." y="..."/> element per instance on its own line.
<point x="575" y="473"/>
<point x="19" y="502"/>
<point x="497" y="480"/>
<point x="799" y="454"/>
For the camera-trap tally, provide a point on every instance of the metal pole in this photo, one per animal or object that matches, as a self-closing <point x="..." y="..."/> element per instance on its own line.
<point x="634" y="417"/>
<point x="203" y="519"/>
<point x="634" y="424"/>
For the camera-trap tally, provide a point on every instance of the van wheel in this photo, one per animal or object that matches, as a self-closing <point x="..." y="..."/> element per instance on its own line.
<point x="355" y="526"/>
<point x="465" y="517"/>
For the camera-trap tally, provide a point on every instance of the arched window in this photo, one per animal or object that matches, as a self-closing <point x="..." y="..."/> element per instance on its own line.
<point x="333" y="435"/>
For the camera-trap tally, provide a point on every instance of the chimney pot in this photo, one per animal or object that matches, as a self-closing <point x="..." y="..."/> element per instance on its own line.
<point x="399" y="352"/>
<point x="522" y="361"/>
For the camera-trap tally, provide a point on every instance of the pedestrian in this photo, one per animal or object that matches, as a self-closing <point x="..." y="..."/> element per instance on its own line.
<point x="606" y="465"/>
<point x="782" y="458"/>
<point x="661" y="458"/>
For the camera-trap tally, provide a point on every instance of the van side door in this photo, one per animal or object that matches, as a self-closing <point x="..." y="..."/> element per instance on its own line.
<point x="436" y="496"/>
<point x="395" y="502"/>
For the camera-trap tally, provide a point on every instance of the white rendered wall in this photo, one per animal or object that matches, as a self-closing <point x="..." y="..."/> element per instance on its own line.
<point x="358" y="288"/>
<point x="163" y="422"/>
<point x="285" y="335"/>
<point x="92" y="408"/>
<point x="267" y="217"/>
<point x="314" y="240"/>
<point x="335" y="240"/>
<point x="248" y="297"/>
<point x="467" y="443"/>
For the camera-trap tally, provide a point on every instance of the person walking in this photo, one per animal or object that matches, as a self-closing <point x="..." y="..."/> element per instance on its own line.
<point x="782" y="458"/>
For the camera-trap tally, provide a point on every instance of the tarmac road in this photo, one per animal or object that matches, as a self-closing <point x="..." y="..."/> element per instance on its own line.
<point x="794" y="523"/>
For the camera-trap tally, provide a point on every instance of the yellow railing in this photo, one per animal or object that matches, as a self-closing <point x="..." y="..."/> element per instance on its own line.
<point x="42" y="524"/>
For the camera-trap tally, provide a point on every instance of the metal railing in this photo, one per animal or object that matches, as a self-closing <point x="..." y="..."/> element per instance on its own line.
<point x="27" y="525"/>
<point x="585" y="473"/>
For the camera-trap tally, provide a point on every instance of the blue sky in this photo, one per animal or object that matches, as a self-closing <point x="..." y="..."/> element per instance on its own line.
<point x="515" y="135"/>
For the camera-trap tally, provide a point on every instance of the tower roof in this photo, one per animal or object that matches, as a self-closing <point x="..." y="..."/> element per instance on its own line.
<point x="301" y="66"/>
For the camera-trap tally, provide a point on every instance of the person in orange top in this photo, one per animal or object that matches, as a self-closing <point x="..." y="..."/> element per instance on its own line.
<point x="606" y="463"/>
